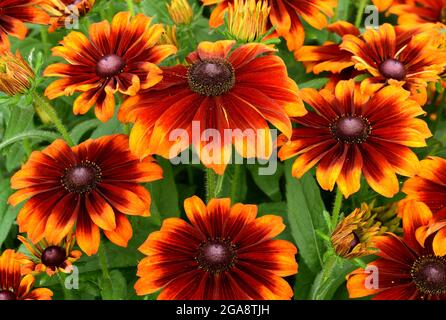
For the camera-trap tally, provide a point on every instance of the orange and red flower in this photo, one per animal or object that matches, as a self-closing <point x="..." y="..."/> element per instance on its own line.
<point x="15" y="286"/>
<point x="413" y="12"/>
<point x="225" y="253"/>
<point x="285" y="16"/>
<point x="219" y="89"/>
<point x="91" y="186"/>
<point x="350" y="133"/>
<point x="383" y="5"/>
<point x="121" y="57"/>
<point x="63" y="11"/>
<point x="329" y="56"/>
<point x="408" y="268"/>
<point x="429" y="185"/>
<point x="51" y="257"/>
<point x="14" y="14"/>
<point x="409" y="64"/>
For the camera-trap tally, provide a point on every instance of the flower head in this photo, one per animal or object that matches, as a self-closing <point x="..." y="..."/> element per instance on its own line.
<point x="285" y="16"/>
<point x="412" y="12"/>
<point x="121" y="57"/>
<point x="408" y="268"/>
<point x="219" y="90"/>
<point x="13" y="284"/>
<point x="329" y="56"/>
<point x="63" y="11"/>
<point x="429" y="184"/>
<point x="180" y="11"/>
<point x="353" y="236"/>
<point x="52" y="257"/>
<point x="225" y="253"/>
<point x="16" y="75"/>
<point x="408" y="64"/>
<point x="349" y="133"/>
<point x="247" y="19"/>
<point x="13" y="16"/>
<point x="89" y="187"/>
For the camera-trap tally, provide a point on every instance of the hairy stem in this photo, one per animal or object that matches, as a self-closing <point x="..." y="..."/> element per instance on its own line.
<point x="51" y="112"/>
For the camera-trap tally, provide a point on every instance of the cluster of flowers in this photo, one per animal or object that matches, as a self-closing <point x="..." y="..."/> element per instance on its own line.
<point x="363" y="123"/>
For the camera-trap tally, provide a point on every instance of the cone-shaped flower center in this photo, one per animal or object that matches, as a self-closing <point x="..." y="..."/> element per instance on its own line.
<point x="443" y="15"/>
<point x="351" y="129"/>
<point x="216" y="255"/>
<point x="211" y="77"/>
<point x="53" y="256"/>
<point x="7" y="295"/>
<point x="110" y="66"/>
<point x="392" y="69"/>
<point x="82" y="178"/>
<point x="429" y="274"/>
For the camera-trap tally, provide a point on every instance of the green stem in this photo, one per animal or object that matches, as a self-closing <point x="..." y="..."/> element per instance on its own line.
<point x="337" y="206"/>
<point x="103" y="262"/>
<point x="66" y="292"/>
<point x="211" y="181"/>
<point x="323" y="281"/>
<point x="131" y="6"/>
<point x="44" y="38"/>
<point x="51" y="112"/>
<point x="360" y="13"/>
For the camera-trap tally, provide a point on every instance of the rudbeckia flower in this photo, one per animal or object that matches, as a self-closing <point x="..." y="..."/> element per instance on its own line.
<point x="14" y="285"/>
<point x="384" y="5"/>
<point x="219" y="89"/>
<point x="410" y="65"/>
<point x="51" y="257"/>
<point x="14" y="14"/>
<point x="412" y="12"/>
<point x="285" y="16"/>
<point x="408" y="268"/>
<point x="329" y="56"/>
<point x="224" y="253"/>
<point x="429" y="184"/>
<point x="121" y="57"/>
<point x="88" y="187"/>
<point x="350" y="133"/>
<point x="62" y="12"/>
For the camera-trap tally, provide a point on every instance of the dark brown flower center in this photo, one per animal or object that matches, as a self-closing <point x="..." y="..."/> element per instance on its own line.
<point x="82" y="178"/>
<point x="211" y="77"/>
<point x="7" y="295"/>
<point x="351" y="129"/>
<point x="392" y="69"/>
<point x="216" y="255"/>
<point x="110" y="66"/>
<point x="429" y="274"/>
<point x="53" y="256"/>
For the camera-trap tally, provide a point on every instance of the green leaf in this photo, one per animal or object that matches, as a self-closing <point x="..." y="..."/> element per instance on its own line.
<point x="114" y="288"/>
<point x="31" y="134"/>
<point x="314" y="83"/>
<point x="305" y="215"/>
<point x="164" y="192"/>
<point x="82" y="128"/>
<point x="332" y="276"/>
<point x="7" y="213"/>
<point x="7" y="219"/>
<point x="234" y="183"/>
<point x="269" y="184"/>
<point x="112" y="126"/>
